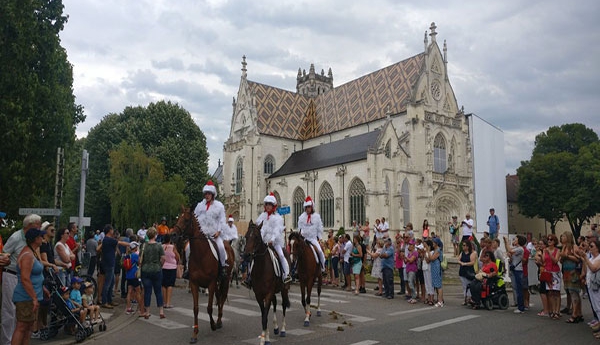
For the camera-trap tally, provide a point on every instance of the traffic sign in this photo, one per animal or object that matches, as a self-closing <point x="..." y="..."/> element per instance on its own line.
<point x="283" y="210"/>
<point x="40" y="211"/>
<point x="85" y="221"/>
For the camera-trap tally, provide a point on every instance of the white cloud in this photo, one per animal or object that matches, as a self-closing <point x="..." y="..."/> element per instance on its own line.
<point x="523" y="66"/>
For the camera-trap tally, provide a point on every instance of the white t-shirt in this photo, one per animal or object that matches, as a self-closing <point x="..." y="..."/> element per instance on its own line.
<point x="142" y="234"/>
<point x="466" y="230"/>
<point x="348" y="247"/>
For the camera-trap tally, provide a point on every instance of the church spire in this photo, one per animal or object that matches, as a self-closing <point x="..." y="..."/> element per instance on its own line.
<point x="433" y="33"/>
<point x="425" y="41"/>
<point x="244" y="70"/>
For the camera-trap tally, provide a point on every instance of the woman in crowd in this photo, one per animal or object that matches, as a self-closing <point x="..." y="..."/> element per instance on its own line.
<point x="399" y="253"/>
<point x="592" y="264"/>
<point x="427" y="258"/>
<point x="151" y="261"/>
<point x="410" y="261"/>
<point x="551" y="256"/>
<point x="29" y="290"/>
<point x="436" y="270"/>
<point x="466" y="272"/>
<point x="376" y="269"/>
<point x="169" y="269"/>
<point x="335" y="261"/>
<point x="571" y="270"/>
<point x="488" y="269"/>
<point x="356" y="261"/>
<point x="425" y="229"/>
<point x="516" y="252"/>
<point x="47" y="259"/>
<point x="539" y="261"/>
<point x="63" y="256"/>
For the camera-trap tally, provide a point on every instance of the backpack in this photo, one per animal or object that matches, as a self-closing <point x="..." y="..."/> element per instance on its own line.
<point x="127" y="263"/>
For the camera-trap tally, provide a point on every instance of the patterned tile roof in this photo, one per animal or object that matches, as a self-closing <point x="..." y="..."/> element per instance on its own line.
<point x="283" y="113"/>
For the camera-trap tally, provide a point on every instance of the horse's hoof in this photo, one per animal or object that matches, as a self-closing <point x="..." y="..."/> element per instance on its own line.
<point x="267" y="343"/>
<point x="318" y="313"/>
<point x="282" y="334"/>
<point x="306" y="323"/>
<point x="219" y="325"/>
<point x="276" y="331"/>
<point x="213" y="327"/>
<point x="193" y="340"/>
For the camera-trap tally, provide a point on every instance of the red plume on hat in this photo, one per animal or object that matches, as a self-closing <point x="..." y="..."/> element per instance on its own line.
<point x="308" y="202"/>
<point x="210" y="188"/>
<point x="230" y="218"/>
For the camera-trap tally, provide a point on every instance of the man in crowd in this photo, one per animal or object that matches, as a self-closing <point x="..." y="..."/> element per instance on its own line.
<point x="73" y="243"/>
<point x="8" y="259"/>
<point x="387" y="268"/>
<point x="385" y="228"/>
<point x="467" y="228"/>
<point x="493" y="223"/>
<point x="162" y="229"/>
<point x="108" y="247"/>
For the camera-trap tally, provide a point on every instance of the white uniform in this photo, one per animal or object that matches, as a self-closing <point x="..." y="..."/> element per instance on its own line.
<point x="312" y="230"/>
<point x="272" y="231"/>
<point x="211" y="220"/>
<point x="230" y="232"/>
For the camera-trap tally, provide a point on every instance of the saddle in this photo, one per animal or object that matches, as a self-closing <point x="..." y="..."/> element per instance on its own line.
<point x="314" y="250"/>
<point x="213" y="248"/>
<point x="277" y="269"/>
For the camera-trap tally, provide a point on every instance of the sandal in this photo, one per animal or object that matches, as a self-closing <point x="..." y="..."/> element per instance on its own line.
<point x="572" y="320"/>
<point x="541" y="313"/>
<point x="430" y="303"/>
<point x="162" y="316"/>
<point x="378" y="294"/>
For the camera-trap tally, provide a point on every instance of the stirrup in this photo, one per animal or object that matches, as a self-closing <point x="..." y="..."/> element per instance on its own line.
<point x="288" y="279"/>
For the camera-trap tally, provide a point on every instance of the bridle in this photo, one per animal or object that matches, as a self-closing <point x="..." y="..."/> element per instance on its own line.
<point x="254" y="233"/>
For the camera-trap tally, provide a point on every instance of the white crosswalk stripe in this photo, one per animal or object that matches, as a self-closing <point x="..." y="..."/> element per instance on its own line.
<point x="444" y="323"/>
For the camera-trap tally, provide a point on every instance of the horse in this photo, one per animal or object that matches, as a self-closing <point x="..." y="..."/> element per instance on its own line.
<point x="308" y="270"/>
<point x="203" y="269"/>
<point x="265" y="283"/>
<point x="238" y="248"/>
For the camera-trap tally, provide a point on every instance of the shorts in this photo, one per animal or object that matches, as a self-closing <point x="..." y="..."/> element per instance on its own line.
<point x="24" y="311"/>
<point x="135" y="282"/>
<point x="168" y="277"/>
<point x="346" y="268"/>
<point x="357" y="267"/>
<point x="420" y="277"/>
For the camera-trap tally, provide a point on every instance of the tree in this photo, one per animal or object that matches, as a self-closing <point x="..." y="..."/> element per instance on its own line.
<point x="137" y="182"/>
<point x="164" y="131"/>
<point x="38" y="113"/>
<point x="560" y="180"/>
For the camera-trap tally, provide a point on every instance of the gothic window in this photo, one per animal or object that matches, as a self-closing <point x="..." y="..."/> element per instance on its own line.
<point x="298" y="205"/>
<point x="269" y="166"/>
<point x="439" y="154"/>
<point x="239" y="172"/>
<point x="357" y="201"/>
<point x="388" y="149"/>
<point x="405" y="192"/>
<point x="326" y="204"/>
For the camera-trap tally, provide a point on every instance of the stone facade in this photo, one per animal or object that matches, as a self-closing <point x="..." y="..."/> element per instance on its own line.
<point x="419" y="167"/>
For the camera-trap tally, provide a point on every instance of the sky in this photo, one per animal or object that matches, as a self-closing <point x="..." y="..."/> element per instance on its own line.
<point x="523" y="66"/>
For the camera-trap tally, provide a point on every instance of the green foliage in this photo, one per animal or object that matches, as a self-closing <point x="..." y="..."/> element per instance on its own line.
<point x="561" y="179"/>
<point x="38" y="113"/>
<point x="137" y="182"/>
<point x="341" y="231"/>
<point x="165" y="132"/>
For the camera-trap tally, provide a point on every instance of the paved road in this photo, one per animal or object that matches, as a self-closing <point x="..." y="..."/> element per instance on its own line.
<point x="346" y="320"/>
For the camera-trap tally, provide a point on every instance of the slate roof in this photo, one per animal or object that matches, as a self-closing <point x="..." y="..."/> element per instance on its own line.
<point x="287" y="114"/>
<point x="338" y="152"/>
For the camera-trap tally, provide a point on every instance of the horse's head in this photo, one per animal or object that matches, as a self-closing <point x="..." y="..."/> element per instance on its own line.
<point x="253" y="240"/>
<point x="294" y="240"/>
<point x="185" y="223"/>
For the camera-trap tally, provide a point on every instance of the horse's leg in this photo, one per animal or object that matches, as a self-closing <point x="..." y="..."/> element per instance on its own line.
<point x="284" y="303"/>
<point x="209" y="307"/>
<point x="264" y="305"/>
<point x="223" y="290"/>
<point x="319" y="283"/>
<point x="304" y="298"/>
<point x="275" y="326"/>
<point x="309" y="286"/>
<point x="194" y="288"/>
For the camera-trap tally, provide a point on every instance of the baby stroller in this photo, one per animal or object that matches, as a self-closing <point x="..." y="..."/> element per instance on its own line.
<point x="60" y="315"/>
<point x="490" y="292"/>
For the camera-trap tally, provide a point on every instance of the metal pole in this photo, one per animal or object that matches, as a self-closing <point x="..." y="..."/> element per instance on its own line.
<point x="84" y="169"/>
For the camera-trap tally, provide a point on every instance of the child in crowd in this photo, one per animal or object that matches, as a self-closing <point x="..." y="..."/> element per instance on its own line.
<point x="133" y="283"/>
<point x="88" y="302"/>
<point x="77" y="310"/>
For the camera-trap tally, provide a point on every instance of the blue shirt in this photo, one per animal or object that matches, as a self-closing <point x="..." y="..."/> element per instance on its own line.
<point x="37" y="280"/>
<point x="109" y="245"/>
<point x="493" y="223"/>
<point x="388" y="260"/>
<point x="135" y="259"/>
<point x="75" y="296"/>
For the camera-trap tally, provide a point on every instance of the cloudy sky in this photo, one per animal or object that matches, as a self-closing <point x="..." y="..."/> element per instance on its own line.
<point x="521" y="65"/>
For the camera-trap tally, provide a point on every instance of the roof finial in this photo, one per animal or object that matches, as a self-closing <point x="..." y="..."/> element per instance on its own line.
<point x="433" y="33"/>
<point x="244" y="70"/>
<point x="425" y="41"/>
<point x="445" y="52"/>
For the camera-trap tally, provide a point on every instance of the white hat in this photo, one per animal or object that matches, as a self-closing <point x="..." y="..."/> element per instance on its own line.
<point x="44" y="225"/>
<point x="210" y="187"/>
<point x="309" y="202"/>
<point x="270" y="199"/>
<point x="134" y="245"/>
<point x="230" y="219"/>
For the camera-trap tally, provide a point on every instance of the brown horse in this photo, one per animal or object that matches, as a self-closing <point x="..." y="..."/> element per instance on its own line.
<point x="308" y="270"/>
<point x="203" y="268"/>
<point x="265" y="283"/>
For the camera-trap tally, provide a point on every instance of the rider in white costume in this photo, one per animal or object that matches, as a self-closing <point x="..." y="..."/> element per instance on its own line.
<point x="272" y="231"/>
<point x="311" y="227"/>
<point x="211" y="217"/>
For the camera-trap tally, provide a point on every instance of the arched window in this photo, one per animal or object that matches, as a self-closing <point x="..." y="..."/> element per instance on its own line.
<point x="439" y="154"/>
<point x="405" y="192"/>
<point x="239" y="174"/>
<point x="269" y="166"/>
<point x="298" y="205"/>
<point x="388" y="149"/>
<point x="326" y="204"/>
<point x="357" y="201"/>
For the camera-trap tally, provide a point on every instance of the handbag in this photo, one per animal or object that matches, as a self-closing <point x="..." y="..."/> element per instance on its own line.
<point x="546" y="277"/>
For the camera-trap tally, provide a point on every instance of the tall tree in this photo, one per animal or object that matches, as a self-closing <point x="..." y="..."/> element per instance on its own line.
<point x="560" y="181"/>
<point x="166" y="132"/>
<point x="38" y="113"/>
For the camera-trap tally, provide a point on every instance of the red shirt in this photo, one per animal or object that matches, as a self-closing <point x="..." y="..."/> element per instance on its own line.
<point x="525" y="261"/>
<point x="72" y="244"/>
<point x="490" y="267"/>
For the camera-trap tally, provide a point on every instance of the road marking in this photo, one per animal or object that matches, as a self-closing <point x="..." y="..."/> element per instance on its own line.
<point x="235" y="310"/>
<point x="351" y="317"/>
<point x="411" y="311"/>
<point x="332" y="325"/>
<point x="299" y="331"/>
<point x="313" y="298"/>
<point x="366" y="342"/>
<point x="202" y="315"/>
<point x="444" y="323"/>
<point x="164" y="323"/>
<point x="255" y="304"/>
